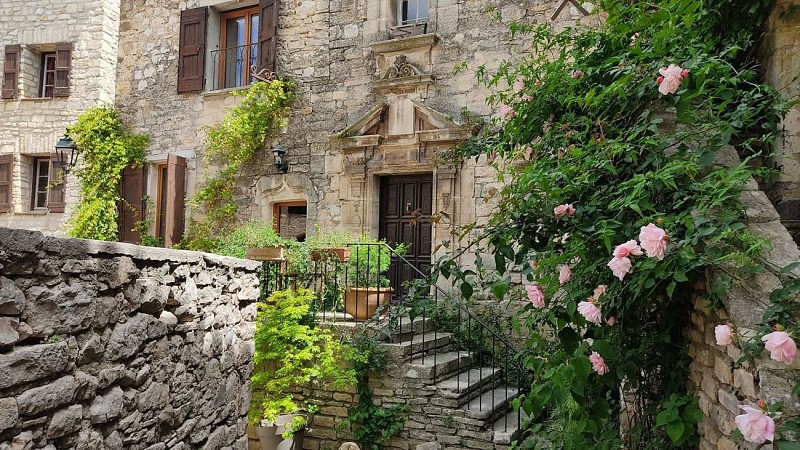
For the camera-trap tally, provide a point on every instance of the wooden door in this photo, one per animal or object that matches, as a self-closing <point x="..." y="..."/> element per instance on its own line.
<point x="406" y="205"/>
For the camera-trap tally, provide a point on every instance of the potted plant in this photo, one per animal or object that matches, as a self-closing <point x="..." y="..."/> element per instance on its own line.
<point x="367" y="286"/>
<point x="254" y="240"/>
<point x="290" y="352"/>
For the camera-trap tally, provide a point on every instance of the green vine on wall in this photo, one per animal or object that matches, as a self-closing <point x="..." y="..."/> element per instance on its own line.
<point x="106" y="147"/>
<point x="231" y="145"/>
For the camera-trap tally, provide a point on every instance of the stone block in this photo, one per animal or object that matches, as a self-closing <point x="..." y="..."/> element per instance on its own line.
<point x="728" y="401"/>
<point x="12" y="299"/>
<point x="743" y="380"/>
<point x="61" y="309"/>
<point x="65" y="421"/>
<point x="726" y="444"/>
<point x="50" y="396"/>
<point x="107" y="407"/>
<point x="722" y="370"/>
<point x="9" y="413"/>
<point x="27" y="364"/>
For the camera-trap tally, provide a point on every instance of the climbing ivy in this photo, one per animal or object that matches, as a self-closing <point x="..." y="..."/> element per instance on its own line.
<point x="232" y="144"/>
<point x="105" y="147"/>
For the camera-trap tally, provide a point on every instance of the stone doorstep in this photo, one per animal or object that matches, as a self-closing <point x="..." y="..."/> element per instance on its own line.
<point x="406" y="325"/>
<point x="507" y="428"/>
<point x="491" y="404"/>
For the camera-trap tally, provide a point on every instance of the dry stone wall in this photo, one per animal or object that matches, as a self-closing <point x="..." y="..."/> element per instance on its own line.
<point x="112" y="346"/>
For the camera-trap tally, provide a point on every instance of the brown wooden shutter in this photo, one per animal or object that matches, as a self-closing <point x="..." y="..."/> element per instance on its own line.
<point x="6" y="166"/>
<point x="63" y="66"/>
<point x="267" y="34"/>
<point x="11" y="71"/>
<point x="192" y="50"/>
<point x="131" y="208"/>
<point x="57" y="189"/>
<point x="176" y="191"/>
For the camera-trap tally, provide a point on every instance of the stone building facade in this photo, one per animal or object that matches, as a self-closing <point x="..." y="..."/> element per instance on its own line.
<point x="59" y="58"/>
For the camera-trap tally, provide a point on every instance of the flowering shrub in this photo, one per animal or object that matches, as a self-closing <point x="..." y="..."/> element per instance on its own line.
<point x="608" y="136"/>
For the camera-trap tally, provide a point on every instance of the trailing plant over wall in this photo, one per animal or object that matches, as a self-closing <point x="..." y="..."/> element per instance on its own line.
<point x="612" y="206"/>
<point x="232" y="144"/>
<point x="106" y="147"/>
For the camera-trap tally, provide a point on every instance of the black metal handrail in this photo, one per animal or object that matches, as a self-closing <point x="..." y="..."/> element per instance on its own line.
<point x="330" y="277"/>
<point x="230" y="67"/>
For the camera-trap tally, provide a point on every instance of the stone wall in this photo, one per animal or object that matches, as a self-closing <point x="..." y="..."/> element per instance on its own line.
<point x="30" y="126"/>
<point x="722" y="383"/>
<point x="113" y="346"/>
<point x="327" y="48"/>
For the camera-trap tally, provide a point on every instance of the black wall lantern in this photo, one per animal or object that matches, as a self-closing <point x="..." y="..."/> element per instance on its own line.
<point x="279" y="151"/>
<point x="66" y="154"/>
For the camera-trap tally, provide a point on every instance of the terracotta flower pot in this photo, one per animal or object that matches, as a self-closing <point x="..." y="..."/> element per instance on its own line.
<point x="341" y="253"/>
<point x="361" y="303"/>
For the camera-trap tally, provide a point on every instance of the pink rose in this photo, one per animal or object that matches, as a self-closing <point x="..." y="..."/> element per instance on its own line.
<point x="506" y="112"/>
<point x="673" y="75"/>
<point x="620" y="266"/>
<point x="660" y="80"/>
<point x="535" y="295"/>
<point x="628" y="248"/>
<point x="533" y="264"/>
<point x="576" y="74"/>
<point x="781" y="347"/>
<point x="755" y="426"/>
<point x="564" y="273"/>
<point x="598" y="363"/>
<point x="654" y="241"/>
<point x="565" y="209"/>
<point x="598" y="291"/>
<point x="684" y="73"/>
<point x="724" y="335"/>
<point x="528" y="153"/>
<point x="519" y="85"/>
<point x="612" y="321"/>
<point x="590" y="311"/>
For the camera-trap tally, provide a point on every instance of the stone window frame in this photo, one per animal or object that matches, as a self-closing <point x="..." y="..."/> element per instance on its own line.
<point x="276" y="208"/>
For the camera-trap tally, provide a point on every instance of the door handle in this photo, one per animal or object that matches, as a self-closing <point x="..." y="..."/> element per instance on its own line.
<point x="408" y="207"/>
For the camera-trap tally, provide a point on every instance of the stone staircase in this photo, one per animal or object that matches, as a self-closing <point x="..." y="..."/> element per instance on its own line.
<point x="468" y="400"/>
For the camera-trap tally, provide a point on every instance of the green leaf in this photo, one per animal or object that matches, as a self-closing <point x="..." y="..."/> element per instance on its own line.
<point x="499" y="289"/>
<point x="582" y="366"/>
<point x="569" y="339"/>
<point x="466" y="290"/>
<point x="665" y="417"/>
<point x="675" y="431"/>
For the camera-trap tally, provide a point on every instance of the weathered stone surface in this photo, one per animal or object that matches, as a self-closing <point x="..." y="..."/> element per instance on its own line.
<point x="26" y="364"/>
<point x="50" y="396"/>
<point x="12" y="299"/>
<point x="107" y="407"/>
<point x="9" y="414"/>
<point x="65" y="421"/>
<point x="147" y="295"/>
<point x="128" y="337"/>
<point x="61" y="309"/>
<point x="8" y="331"/>
<point x="155" y="397"/>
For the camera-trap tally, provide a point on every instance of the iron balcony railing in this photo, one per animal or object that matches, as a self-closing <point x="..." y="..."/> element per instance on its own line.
<point x="231" y="67"/>
<point x="331" y="276"/>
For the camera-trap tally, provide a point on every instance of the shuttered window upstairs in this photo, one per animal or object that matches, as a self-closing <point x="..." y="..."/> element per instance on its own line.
<point x="11" y="72"/>
<point x="63" y="67"/>
<point x="267" y="35"/>
<point x="192" y="50"/>
<point x="6" y="167"/>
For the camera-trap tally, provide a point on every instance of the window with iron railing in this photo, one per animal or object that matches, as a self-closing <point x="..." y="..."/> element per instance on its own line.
<point x="413" y="12"/>
<point x="238" y="51"/>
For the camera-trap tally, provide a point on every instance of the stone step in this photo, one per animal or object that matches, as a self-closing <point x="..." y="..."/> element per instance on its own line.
<point x="457" y="389"/>
<point x="508" y="428"/>
<point x="491" y="404"/>
<point x="404" y="328"/>
<point x="439" y="365"/>
<point x="421" y="343"/>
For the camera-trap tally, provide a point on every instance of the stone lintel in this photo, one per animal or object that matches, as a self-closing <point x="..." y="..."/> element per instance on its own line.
<point x="398" y="45"/>
<point x="400" y="85"/>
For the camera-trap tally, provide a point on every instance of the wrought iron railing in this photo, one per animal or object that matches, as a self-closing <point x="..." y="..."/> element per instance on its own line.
<point x="331" y="275"/>
<point x="231" y="67"/>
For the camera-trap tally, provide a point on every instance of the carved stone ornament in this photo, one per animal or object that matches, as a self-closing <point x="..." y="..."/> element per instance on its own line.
<point x="402" y="68"/>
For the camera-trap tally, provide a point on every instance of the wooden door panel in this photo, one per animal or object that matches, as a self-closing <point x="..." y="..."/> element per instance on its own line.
<point x="406" y="204"/>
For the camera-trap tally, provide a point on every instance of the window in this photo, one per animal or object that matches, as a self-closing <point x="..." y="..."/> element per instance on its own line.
<point x="238" y="47"/>
<point x="48" y="77"/>
<point x="161" y="200"/>
<point x="413" y="12"/>
<point x="289" y="219"/>
<point x="6" y="163"/>
<point x="217" y="49"/>
<point x="47" y="185"/>
<point x="41" y="178"/>
<point x="34" y="71"/>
